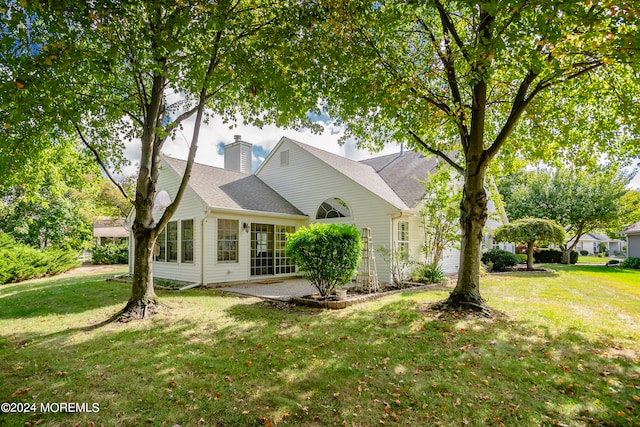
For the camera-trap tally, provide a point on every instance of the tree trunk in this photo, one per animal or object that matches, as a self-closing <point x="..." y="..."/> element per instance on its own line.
<point x="143" y="300"/>
<point x="529" y="255"/>
<point x="473" y="216"/>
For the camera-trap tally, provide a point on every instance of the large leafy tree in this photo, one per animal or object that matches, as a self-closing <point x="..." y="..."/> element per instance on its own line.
<point x="106" y="71"/>
<point x="469" y="80"/>
<point x="53" y="203"/>
<point x="581" y="199"/>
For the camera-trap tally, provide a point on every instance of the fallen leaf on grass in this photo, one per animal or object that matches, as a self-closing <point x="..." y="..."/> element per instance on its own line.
<point x="20" y="392"/>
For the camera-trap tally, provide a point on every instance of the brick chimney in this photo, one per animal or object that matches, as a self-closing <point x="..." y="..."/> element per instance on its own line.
<point x="237" y="155"/>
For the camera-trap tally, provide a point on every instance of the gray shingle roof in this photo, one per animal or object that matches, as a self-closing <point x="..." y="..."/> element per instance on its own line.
<point x="361" y="173"/>
<point x="225" y="189"/>
<point x="404" y="173"/>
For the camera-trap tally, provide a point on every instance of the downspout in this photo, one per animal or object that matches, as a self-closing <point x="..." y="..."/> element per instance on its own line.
<point x="204" y="219"/>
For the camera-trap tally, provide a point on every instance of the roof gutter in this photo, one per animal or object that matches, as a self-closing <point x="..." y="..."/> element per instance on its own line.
<point x="246" y="212"/>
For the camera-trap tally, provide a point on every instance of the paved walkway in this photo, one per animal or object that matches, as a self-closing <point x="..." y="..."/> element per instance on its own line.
<point x="281" y="290"/>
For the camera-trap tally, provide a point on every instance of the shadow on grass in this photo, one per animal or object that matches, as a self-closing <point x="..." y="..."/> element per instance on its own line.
<point x="252" y="363"/>
<point x="59" y="296"/>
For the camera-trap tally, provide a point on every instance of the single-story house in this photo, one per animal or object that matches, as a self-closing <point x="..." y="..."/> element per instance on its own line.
<point x="633" y="240"/>
<point x="591" y="242"/>
<point x="108" y="229"/>
<point x="231" y="224"/>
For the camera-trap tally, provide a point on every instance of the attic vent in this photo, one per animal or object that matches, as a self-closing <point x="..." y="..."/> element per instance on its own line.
<point x="284" y="158"/>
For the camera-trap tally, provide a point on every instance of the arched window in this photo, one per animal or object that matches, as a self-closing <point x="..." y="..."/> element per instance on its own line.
<point x="161" y="201"/>
<point x="333" y="208"/>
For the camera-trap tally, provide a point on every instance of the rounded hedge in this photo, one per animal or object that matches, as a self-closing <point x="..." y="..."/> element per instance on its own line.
<point x="328" y="255"/>
<point x="499" y="260"/>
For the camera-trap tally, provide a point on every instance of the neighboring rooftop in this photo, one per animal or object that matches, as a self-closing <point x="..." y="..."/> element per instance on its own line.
<point x="107" y="226"/>
<point x="633" y="228"/>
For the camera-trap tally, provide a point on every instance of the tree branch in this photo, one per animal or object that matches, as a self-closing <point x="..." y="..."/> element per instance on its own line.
<point x="448" y="26"/>
<point x="170" y="210"/>
<point x="101" y="163"/>
<point x="452" y="80"/>
<point x="438" y="153"/>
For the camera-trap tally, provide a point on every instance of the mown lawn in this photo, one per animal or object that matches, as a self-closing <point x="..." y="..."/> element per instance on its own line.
<point x="566" y="355"/>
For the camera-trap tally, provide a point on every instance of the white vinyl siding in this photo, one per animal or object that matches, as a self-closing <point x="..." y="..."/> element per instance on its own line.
<point x="216" y="272"/>
<point x="191" y="209"/>
<point x="308" y="182"/>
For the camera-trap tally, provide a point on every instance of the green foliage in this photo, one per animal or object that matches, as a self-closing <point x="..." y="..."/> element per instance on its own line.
<point x="440" y="212"/>
<point x="20" y="262"/>
<point x="580" y="199"/>
<point x="500" y="260"/>
<point x="553" y="256"/>
<point x="328" y="255"/>
<point x="474" y="81"/>
<point x="631" y="262"/>
<point x="428" y="273"/>
<point x="105" y="72"/>
<point x="54" y="204"/>
<point x="399" y="264"/>
<point x="111" y="253"/>
<point x="523" y="258"/>
<point x="530" y="230"/>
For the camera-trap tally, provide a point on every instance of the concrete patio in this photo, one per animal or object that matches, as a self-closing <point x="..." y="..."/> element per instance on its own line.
<point x="279" y="290"/>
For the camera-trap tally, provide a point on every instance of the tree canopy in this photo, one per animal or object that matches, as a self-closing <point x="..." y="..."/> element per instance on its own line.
<point x="108" y="71"/>
<point x="472" y="80"/>
<point x="581" y="199"/>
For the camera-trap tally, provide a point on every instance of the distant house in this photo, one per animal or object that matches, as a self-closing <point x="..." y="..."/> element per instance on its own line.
<point x="592" y="243"/>
<point x="633" y="240"/>
<point x="110" y="230"/>
<point x="231" y="225"/>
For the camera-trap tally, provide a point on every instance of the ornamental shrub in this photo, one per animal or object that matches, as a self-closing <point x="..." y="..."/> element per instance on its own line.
<point x="111" y="253"/>
<point x="328" y="255"/>
<point x="500" y="260"/>
<point x="631" y="262"/>
<point x="428" y="273"/>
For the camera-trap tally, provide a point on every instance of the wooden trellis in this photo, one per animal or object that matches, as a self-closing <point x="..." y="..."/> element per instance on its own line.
<point x="367" y="278"/>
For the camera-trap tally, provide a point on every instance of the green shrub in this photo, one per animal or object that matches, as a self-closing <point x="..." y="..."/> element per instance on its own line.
<point x="328" y="255"/>
<point x="553" y="256"/>
<point x="613" y="262"/>
<point x="523" y="258"/>
<point x="631" y="262"/>
<point x="584" y="253"/>
<point x="428" y="273"/>
<point x="20" y="262"/>
<point x="111" y="253"/>
<point x="500" y="260"/>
